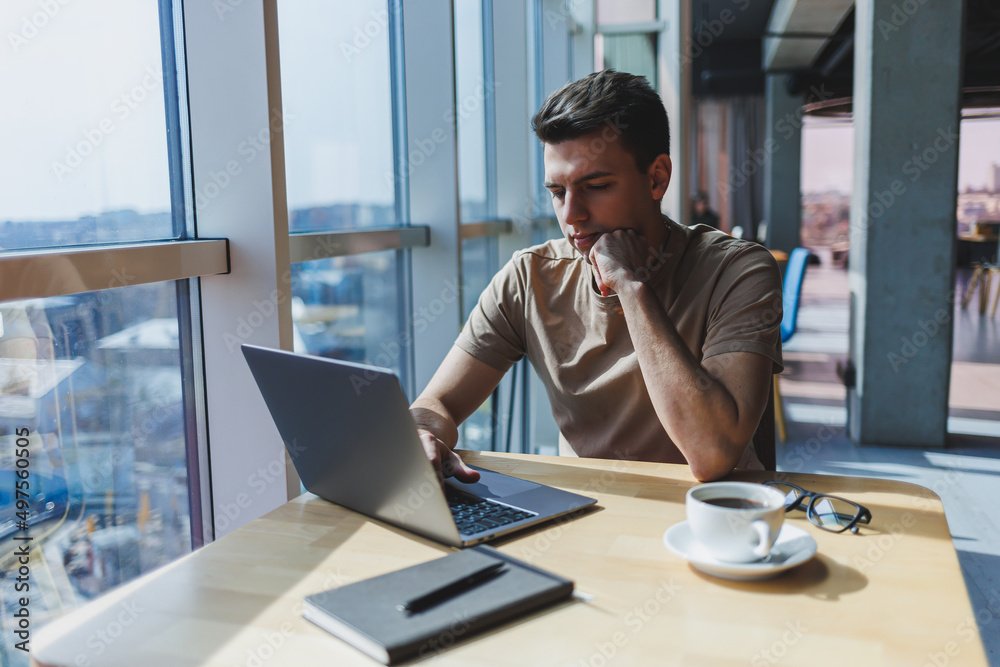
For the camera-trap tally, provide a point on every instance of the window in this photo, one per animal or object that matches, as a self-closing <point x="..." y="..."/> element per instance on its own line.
<point x="338" y="151"/>
<point x="472" y="96"/>
<point x="340" y="176"/>
<point x="478" y="266"/>
<point x="84" y="133"/>
<point x="349" y="308"/>
<point x="97" y="358"/>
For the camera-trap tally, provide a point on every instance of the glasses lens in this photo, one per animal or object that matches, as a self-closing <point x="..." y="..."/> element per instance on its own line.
<point x="832" y="513"/>
<point x="792" y="493"/>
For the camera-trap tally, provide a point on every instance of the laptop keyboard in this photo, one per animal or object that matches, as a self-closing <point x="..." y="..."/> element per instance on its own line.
<point x="473" y="514"/>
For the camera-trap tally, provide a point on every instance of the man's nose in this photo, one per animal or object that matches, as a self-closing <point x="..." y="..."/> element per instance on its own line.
<point x="575" y="208"/>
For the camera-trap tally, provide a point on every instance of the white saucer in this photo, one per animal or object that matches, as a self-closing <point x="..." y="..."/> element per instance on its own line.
<point x="794" y="546"/>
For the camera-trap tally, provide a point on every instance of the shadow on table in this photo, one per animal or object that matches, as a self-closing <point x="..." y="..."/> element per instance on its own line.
<point x="821" y="578"/>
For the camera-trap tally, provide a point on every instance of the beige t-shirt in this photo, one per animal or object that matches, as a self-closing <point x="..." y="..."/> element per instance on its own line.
<point x="722" y="294"/>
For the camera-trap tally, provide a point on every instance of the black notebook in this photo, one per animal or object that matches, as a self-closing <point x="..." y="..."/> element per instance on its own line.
<point x="365" y="614"/>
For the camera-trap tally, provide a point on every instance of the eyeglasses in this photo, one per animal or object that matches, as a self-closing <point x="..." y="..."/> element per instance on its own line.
<point x="831" y="513"/>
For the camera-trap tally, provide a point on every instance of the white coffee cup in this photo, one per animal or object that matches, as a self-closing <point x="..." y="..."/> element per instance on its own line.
<point x="736" y="522"/>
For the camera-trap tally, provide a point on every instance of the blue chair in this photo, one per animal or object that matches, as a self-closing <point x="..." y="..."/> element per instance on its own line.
<point x="791" y="291"/>
<point x="791" y="297"/>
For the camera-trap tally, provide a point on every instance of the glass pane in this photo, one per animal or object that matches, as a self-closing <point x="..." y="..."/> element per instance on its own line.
<point x="337" y="102"/>
<point x="632" y="53"/>
<point x="791" y="493"/>
<point x="83" y="128"/>
<point x="832" y="513"/>
<point x="349" y="308"/>
<point x="92" y="385"/>
<point x="625" y="11"/>
<point x="470" y="109"/>
<point x="478" y="267"/>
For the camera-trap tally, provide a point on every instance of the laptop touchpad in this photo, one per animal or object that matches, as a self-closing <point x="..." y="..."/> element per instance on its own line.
<point x="493" y="485"/>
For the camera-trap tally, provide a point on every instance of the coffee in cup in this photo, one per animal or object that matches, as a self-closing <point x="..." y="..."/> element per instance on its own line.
<point x="736" y="522"/>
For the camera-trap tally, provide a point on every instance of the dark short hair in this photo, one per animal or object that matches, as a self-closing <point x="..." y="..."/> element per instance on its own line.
<point x="625" y="103"/>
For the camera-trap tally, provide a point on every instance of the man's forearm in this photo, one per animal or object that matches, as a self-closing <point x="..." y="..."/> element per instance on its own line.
<point x="697" y="411"/>
<point x="431" y="415"/>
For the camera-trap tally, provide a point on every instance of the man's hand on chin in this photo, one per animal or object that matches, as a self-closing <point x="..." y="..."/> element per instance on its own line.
<point x="619" y="259"/>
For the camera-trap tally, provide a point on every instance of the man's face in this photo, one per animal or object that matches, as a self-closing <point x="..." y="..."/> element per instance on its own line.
<point x="596" y="188"/>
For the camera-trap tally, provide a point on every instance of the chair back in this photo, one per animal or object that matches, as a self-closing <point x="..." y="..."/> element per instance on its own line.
<point x="763" y="437"/>
<point x="791" y="291"/>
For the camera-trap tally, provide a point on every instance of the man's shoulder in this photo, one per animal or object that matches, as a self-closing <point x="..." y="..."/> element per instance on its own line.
<point x="707" y="245"/>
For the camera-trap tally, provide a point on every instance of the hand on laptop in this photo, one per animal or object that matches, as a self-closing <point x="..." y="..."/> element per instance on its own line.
<point x="444" y="459"/>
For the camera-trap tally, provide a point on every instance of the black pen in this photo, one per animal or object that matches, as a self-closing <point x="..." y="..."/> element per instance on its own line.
<point x="451" y="589"/>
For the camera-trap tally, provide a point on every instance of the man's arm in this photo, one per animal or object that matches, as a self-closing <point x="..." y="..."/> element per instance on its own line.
<point x="459" y="386"/>
<point x="711" y="409"/>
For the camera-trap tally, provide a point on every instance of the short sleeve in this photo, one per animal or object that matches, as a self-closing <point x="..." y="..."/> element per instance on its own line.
<point x="745" y="310"/>
<point x="495" y="330"/>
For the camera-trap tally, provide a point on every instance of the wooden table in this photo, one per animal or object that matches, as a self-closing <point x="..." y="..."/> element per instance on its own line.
<point x="893" y="595"/>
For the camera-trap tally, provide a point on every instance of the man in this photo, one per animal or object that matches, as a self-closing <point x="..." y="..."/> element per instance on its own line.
<point x="655" y="341"/>
<point x="701" y="212"/>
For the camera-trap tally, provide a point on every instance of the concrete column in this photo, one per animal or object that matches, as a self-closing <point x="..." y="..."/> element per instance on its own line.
<point x="907" y="74"/>
<point x="674" y="64"/>
<point x="783" y="164"/>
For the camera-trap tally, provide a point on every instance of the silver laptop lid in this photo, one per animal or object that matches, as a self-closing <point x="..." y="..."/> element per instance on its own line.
<point x="349" y="433"/>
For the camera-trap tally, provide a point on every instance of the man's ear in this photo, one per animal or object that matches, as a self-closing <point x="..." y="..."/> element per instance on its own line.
<point x="659" y="176"/>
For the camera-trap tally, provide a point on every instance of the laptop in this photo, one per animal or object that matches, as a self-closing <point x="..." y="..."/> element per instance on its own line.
<point x="348" y="430"/>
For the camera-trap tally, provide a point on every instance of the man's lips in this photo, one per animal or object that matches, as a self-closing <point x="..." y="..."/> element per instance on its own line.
<point x="585" y="240"/>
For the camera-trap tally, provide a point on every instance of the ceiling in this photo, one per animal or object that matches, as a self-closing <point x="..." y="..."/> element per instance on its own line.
<point x="730" y="37"/>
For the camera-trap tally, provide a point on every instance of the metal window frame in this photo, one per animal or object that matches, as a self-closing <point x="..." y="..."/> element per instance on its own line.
<point x="251" y="303"/>
<point x="480" y="228"/>
<point x="640" y="27"/>
<point x="309" y="246"/>
<point x="67" y="270"/>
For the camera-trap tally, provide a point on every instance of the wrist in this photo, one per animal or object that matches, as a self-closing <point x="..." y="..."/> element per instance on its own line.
<point x="630" y="289"/>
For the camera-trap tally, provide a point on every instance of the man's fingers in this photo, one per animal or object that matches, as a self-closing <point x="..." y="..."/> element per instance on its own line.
<point x="461" y="470"/>
<point x="445" y="461"/>
<point x="597" y="272"/>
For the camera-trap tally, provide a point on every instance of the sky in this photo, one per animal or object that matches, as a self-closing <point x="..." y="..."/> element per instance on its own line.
<point x="828" y="151"/>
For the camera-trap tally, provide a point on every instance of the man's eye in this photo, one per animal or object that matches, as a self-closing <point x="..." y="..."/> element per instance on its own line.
<point x="598" y="186"/>
<point x="557" y="194"/>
